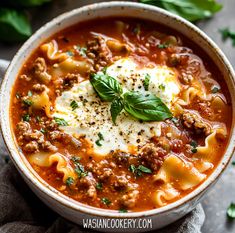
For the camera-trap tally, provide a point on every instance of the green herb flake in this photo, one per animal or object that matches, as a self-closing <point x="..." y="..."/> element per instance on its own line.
<point x="132" y="168"/>
<point x="194" y="145"/>
<point x="194" y="150"/>
<point x="163" y="46"/>
<point x="231" y="211"/>
<point x="26" y="117"/>
<point x="75" y="159"/>
<point x="73" y="105"/>
<point x="233" y="163"/>
<point x="42" y="130"/>
<point x="228" y="34"/>
<point x="101" y="138"/>
<point x="81" y="50"/>
<point x="105" y="201"/>
<point x="146" y="82"/>
<point x="215" y="89"/>
<point x="79" y="169"/>
<point x="144" y="169"/>
<point x="191" y="10"/>
<point x="27" y="102"/>
<point x="69" y="181"/>
<point x="99" y="186"/>
<point x="60" y="121"/>
<point x="122" y="210"/>
<point x="162" y="87"/>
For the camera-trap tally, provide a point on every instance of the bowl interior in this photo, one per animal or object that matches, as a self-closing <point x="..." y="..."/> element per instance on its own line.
<point x="124" y="9"/>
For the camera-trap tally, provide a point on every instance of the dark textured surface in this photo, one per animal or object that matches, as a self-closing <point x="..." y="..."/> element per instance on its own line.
<point x="217" y="200"/>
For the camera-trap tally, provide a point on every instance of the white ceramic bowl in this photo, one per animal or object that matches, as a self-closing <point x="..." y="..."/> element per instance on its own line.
<point x="68" y="208"/>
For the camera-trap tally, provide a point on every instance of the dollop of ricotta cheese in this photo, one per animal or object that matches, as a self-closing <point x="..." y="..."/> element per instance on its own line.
<point x="92" y="117"/>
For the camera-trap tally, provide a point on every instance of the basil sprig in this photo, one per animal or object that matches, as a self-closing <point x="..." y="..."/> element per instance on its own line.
<point x="146" y="107"/>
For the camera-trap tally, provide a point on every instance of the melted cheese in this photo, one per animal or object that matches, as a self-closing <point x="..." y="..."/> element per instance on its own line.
<point x="93" y="116"/>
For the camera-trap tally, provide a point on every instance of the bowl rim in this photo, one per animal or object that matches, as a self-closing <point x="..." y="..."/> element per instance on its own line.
<point x="69" y="202"/>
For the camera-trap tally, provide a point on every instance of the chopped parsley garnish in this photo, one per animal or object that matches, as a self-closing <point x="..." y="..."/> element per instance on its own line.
<point x="194" y="145"/>
<point x="99" y="186"/>
<point x="132" y="168"/>
<point x="75" y="159"/>
<point x="43" y="130"/>
<point x="60" y="121"/>
<point x="215" y="89"/>
<point x="139" y="170"/>
<point x="27" y="102"/>
<point x="69" y="181"/>
<point x="26" y="117"/>
<point x="231" y="211"/>
<point x="163" y="46"/>
<point x="228" y="34"/>
<point x="146" y="82"/>
<point x="122" y="210"/>
<point x="162" y="87"/>
<point x="74" y="105"/>
<point x="79" y="169"/>
<point x="101" y="138"/>
<point x="106" y="201"/>
<point x="81" y="50"/>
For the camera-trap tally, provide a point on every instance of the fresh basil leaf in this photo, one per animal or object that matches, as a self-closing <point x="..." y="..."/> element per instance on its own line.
<point x="116" y="108"/>
<point x="145" y="107"/>
<point x="14" y="25"/>
<point x="107" y="87"/>
<point x="191" y="10"/>
<point x="231" y="211"/>
<point x="144" y="169"/>
<point x="228" y="34"/>
<point x="24" y="3"/>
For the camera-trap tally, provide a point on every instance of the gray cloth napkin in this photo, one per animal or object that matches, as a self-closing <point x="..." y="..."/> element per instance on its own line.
<point x="22" y="212"/>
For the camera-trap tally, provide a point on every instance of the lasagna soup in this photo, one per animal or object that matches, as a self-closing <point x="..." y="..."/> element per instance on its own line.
<point x="121" y="114"/>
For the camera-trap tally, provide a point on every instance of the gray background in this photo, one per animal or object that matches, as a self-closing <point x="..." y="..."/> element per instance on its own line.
<point x="217" y="200"/>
